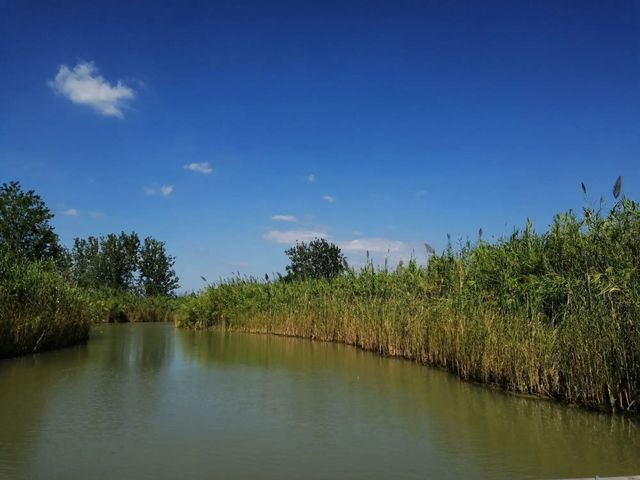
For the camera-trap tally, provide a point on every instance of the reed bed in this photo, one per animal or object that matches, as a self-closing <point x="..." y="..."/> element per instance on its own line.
<point x="39" y="310"/>
<point x="122" y="307"/>
<point x="554" y="314"/>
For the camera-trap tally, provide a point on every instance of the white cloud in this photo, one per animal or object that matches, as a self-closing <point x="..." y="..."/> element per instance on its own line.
<point x="84" y="86"/>
<point x="70" y="212"/>
<point x="373" y="245"/>
<point x="202" y="167"/>
<point x="381" y="251"/>
<point x="166" y="190"/>
<point x="163" y="191"/>
<point x="311" y="178"/>
<point x="284" y="218"/>
<point x="329" y="198"/>
<point x="292" y="236"/>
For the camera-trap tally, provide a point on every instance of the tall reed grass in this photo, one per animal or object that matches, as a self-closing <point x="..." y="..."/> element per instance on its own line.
<point x="39" y="310"/>
<point x="121" y="307"/>
<point x="553" y="314"/>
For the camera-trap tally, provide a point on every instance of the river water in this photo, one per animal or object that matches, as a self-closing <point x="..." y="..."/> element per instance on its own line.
<point x="149" y="401"/>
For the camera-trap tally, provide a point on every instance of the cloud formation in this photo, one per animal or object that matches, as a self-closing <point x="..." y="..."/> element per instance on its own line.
<point x="292" y="236"/>
<point x="311" y="178"/>
<point x="70" y="212"/>
<point x="163" y="191"/>
<point x="202" y="167"/>
<point x="382" y="251"/>
<point x="359" y="251"/>
<point x="284" y="218"/>
<point x="84" y="86"/>
<point x="373" y="245"/>
<point x="329" y="198"/>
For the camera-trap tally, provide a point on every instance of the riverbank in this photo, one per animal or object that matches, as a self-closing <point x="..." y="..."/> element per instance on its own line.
<point x="554" y="315"/>
<point x="114" y="307"/>
<point x="40" y="310"/>
<point x="238" y="405"/>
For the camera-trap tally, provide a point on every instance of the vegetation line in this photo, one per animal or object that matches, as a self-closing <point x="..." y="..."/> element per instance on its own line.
<point x="49" y="296"/>
<point x="554" y="314"/>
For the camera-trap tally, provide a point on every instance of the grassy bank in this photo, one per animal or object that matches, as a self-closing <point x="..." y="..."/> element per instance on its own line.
<point x="122" y="307"/>
<point x="555" y="314"/>
<point x="39" y="310"/>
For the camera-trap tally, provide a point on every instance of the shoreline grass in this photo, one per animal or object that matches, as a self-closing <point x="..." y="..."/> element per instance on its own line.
<point x="125" y="307"/>
<point x="39" y="310"/>
<point x="553" y="315"/>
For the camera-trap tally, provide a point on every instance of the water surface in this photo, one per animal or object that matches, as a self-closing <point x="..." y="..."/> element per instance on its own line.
<point x="149" y="401"/>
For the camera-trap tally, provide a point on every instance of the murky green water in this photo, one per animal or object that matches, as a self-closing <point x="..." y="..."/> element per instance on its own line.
<point x="150" y="401"/>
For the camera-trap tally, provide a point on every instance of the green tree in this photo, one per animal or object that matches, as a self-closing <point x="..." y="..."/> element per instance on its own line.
<point x="118" y="261"/>
<point x="85" y="262"/>
<point x="110" y="262"/>
<point x="316" y="259"/>
<point x="157" y="276"/>
<point x="24" y="224"/>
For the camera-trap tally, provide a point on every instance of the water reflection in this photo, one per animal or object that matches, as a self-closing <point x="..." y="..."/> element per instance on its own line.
<point x="493" y="430"/>
<point x="149" y="401"/>
<point x="24" y="402"/>
<point x="112" y="383"/>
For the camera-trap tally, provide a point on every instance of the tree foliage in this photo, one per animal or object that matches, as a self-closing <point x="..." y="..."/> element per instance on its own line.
<point x="316" y="259"/>
<point x="24" y="225"/>
<point x="110" y="261"/>
<point x="120" y="262"/>
<point x="157" y="276"/>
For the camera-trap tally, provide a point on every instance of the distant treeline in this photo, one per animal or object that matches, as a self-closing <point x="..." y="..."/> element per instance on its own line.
<point x="49" y="295"/>
<point x="553" y="314"/>
<point x="123" y="263"/>
<point x="118" y="262"/>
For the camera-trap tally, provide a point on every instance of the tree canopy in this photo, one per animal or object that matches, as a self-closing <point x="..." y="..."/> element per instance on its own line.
<point x="121" y="262"/>
<point x="24" y="224"/>
<point x="116" y="262"/>
<point x="157" y="276"/>
<point x="316" y="259"/>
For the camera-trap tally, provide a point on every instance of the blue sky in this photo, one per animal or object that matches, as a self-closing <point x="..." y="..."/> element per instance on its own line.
<point x="229" y="129"/>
